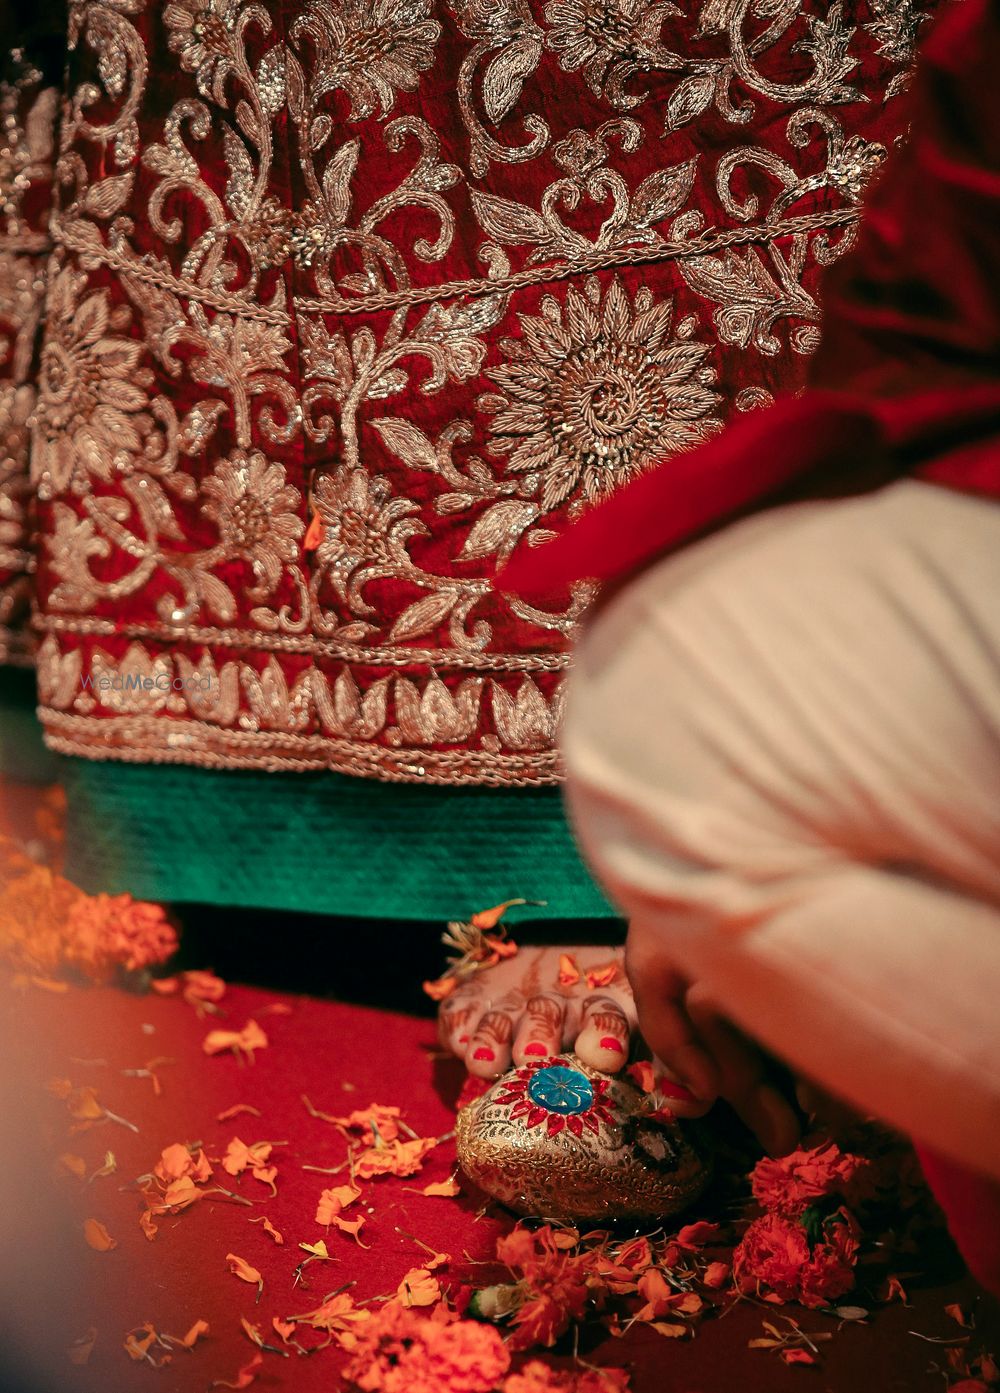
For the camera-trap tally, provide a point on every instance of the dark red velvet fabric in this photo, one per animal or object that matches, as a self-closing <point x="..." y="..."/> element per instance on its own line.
<point x="907" y="376"/>
<point x="424" y="145"/>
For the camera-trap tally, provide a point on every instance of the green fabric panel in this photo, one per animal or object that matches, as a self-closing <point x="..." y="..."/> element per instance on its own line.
<point x="320" y="843"/>
<point x="323" y="843"/>
<point x="23" y="756"/>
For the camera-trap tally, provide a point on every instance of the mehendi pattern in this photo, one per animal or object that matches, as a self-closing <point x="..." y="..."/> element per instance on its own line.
<point x="279" y="451"/>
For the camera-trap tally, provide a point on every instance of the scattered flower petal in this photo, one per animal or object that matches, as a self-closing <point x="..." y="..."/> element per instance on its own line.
<point x="241" y="1042"/>
<point x="716" y="1275"/>
<point x="444" y="1189"/>
<point x="604" y="975"/>
<point x="235" y="1111"/>
<point x="569" y="973"/>
<point x="98" y="1237"/>
<point x="418" y="1288"/>
<point x="239" y="1267"/>
<point x="244" y="1378"/>
<point x="333" y="1202"/>
<point x="269" y="1228"/>
<point x="316" y="1250"/>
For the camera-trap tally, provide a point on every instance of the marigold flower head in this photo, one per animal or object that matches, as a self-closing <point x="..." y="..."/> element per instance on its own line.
<point x="555" y="1284"/>
<point x="776" y="1253"/>
<point x="34" y="909"/>
<point x="789" y="1184"/>
<point x="47" y="925"/>
<point x="537" y="1377"/>
<point x="105" y="932"/>
<point x="403" y="1351"/>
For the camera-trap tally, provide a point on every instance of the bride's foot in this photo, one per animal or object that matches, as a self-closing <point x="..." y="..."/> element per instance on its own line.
<point x="543" y="1001"/>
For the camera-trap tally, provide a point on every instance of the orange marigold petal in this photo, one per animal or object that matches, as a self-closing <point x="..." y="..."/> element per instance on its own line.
<point x="197" y="1330"/>
<point x="490" y="918"/>
<point x="569" y="973"/>
<point x="440" y="989"/>
<point x="98" y="1237"/>
<point x="444" y="1189"/>
<point x="239" y="1267"/>
<point x="603" y="976"/>
<point x="245" y="1376"/>
<point x="418" y="1288"/>
<point x="352" y="1227"/>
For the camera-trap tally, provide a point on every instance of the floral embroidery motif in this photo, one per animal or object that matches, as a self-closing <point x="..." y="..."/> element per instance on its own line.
<point x="278" y="434"/>
<point x="561" y="1090"/>
<point x="609" y="41"/>
<point x="372" y="48"/>
<point x="256" y="514"/>
<point x="365" y="531"/>
<point x="94" y="417"/>
<point x="596" y="394"/>
<point x="895" y="27"/>
<point x="201" y="34"/>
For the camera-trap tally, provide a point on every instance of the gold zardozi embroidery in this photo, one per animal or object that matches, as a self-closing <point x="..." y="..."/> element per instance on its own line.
<point x="281" y="451"/>
<point x="27" y="119"/>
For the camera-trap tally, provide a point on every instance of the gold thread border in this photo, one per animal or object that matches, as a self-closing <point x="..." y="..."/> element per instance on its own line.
<point x="146" y="740"/>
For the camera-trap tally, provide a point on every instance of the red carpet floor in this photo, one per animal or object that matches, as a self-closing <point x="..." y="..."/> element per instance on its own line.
<point x="343" y="1058"/>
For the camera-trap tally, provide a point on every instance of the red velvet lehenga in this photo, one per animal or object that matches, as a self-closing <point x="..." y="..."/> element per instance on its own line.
<point x="351" y="300"/>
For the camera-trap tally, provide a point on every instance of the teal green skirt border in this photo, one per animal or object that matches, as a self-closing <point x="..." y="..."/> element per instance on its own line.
<point x="322" y="843"/>
<point x="318" y="843"/>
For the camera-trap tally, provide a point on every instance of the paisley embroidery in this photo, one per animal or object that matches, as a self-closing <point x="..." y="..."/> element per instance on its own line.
<point x="326" y="342"/>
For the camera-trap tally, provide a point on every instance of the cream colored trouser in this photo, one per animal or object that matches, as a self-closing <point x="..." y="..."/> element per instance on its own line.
<point x="783" y="748"/>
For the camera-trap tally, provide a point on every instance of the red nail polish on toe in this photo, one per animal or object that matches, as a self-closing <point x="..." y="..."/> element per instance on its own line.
<point x="484" y="1052"/>
<point x="669" y="1089"/>
<point x="536" y="1047"/>
<point x="610" y="1043"/>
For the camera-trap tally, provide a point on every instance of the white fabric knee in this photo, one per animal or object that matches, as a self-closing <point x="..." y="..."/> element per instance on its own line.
<point x="783" y="747"/>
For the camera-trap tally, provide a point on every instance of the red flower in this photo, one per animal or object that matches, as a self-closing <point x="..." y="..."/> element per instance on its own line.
<point x="789" y="1184"/>
<point x="553" y="1282"/>
<point x="775" y="1253"/>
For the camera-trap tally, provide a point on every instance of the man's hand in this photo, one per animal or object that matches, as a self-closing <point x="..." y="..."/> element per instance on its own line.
<point x="686" y="1031"/>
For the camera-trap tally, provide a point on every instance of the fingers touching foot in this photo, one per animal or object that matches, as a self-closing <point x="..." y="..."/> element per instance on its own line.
<point x="743" y="1072"/>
